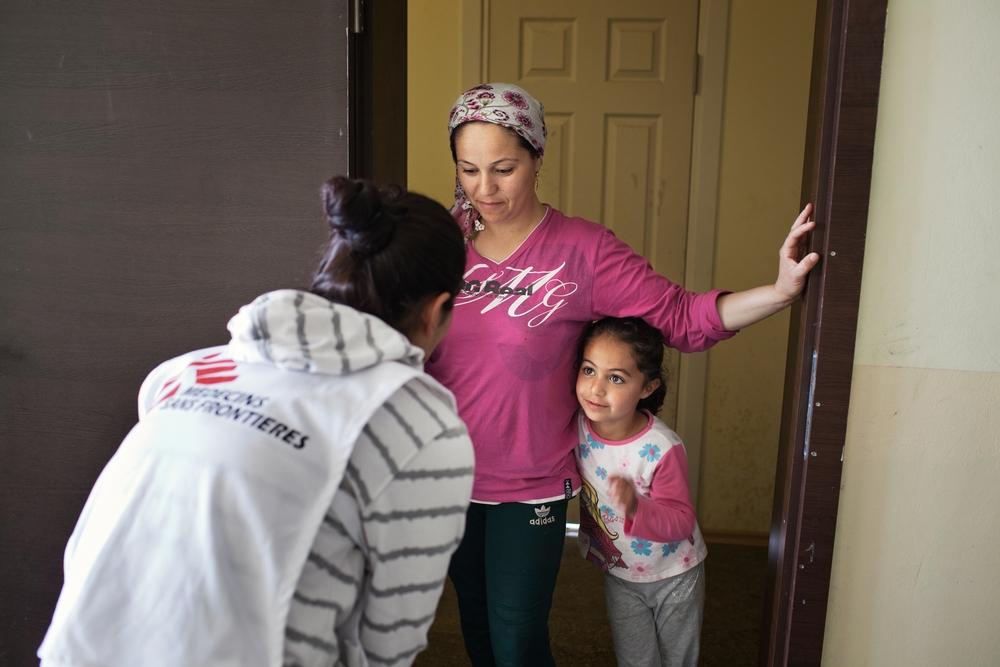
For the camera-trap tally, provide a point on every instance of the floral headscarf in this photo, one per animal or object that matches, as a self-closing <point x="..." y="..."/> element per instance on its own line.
<point x="501" y="104"/>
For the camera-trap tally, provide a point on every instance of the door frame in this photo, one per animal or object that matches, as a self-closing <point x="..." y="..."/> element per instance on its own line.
<point x="703" y="208"/>
<point x="840" y="142"/>
<point x="843" y="105"/>
<point x="377" y="96"/>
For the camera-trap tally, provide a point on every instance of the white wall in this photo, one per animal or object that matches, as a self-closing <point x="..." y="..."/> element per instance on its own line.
<point x="916" y="572"/>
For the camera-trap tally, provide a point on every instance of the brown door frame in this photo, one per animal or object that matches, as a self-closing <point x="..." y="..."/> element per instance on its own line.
<point x="378" y="90"/>
<point x="843" y="105"/>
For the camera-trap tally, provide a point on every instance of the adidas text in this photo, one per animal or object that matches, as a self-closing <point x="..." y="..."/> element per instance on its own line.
<point x="542" y="522"/>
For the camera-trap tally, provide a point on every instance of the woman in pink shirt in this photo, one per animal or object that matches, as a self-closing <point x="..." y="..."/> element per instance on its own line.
<point x="534" y="278"/>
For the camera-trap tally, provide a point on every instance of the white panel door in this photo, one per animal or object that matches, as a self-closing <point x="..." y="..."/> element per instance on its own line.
<point x="617" y="82"/>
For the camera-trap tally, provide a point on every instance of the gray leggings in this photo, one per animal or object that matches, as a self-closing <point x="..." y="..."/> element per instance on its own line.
<point x="657" y="623"/>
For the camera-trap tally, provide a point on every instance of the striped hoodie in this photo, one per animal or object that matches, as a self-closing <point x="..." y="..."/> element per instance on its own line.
<point x="291" y="498"/>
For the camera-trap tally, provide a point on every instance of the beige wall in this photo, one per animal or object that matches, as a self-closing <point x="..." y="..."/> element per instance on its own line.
<point x="764" y="121"/>
<point x="434" y="82"/>
<point x="916" y="572"/>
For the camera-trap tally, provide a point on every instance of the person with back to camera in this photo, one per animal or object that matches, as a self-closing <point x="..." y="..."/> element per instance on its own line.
<point x="534" y="277"/>
<point x="636" y="519"/>
<point x="292" y="497"/>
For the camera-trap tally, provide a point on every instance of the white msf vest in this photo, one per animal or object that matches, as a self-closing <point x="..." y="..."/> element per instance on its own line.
<point x="189" y="548"/>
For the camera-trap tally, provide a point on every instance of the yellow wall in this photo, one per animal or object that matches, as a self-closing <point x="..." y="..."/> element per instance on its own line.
<point x="916" y="571"/>
<point x="766" y="98"/>
<point x="763" y="140"/>
<point x="434" y="82"/>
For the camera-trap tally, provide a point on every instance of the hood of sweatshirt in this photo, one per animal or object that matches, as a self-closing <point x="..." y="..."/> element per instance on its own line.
<point x="301" y="331"/>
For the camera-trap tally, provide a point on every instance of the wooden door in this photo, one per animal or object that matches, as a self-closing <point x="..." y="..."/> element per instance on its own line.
<point x="617" y="82"/>
<point x="160" y="165"/>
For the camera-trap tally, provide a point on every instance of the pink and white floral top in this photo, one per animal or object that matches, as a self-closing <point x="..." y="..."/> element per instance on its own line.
<point x="663" y="539"/>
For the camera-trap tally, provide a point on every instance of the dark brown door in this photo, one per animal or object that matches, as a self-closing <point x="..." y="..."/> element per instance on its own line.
<point x="160" y="165"/>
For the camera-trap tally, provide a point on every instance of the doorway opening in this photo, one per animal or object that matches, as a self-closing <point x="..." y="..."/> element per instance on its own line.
<point x="712" y="212"/>
<point x="842" y="109"/>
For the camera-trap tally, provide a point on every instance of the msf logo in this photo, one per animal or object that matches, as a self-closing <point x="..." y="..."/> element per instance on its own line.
<point x="210" y="369"/>
<point x="542" y="512"/>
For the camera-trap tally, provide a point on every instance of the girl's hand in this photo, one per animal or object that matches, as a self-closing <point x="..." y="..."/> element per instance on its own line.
<point x="792" y="271"/>
<point x="622" y="493"/>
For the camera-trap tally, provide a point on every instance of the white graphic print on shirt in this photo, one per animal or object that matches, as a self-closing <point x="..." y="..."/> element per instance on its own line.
<point x="519" y="288"/>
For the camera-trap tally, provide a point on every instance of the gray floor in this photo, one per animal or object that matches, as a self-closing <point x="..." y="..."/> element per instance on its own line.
<point x="735" y="579"/>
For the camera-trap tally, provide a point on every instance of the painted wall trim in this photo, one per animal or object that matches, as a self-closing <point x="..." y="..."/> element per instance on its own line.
<point x="474" y="51"/>
<point x="703" y="204"/>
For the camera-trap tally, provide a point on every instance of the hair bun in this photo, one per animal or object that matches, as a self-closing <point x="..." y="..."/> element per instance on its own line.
<point x="355" y="212"/>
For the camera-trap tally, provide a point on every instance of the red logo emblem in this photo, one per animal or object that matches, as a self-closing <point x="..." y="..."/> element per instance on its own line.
<point x="210" y="369"/>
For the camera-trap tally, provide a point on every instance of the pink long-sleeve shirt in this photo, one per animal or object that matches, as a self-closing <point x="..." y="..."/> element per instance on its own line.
<point x="510" y="353"/>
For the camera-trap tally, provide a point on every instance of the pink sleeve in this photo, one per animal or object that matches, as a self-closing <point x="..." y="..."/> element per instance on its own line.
<point x="625" y="285"/>
<point x="667" y="514"/>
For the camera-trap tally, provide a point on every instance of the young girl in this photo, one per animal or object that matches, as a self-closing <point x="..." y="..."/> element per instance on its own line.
<point x="637" y="522"/>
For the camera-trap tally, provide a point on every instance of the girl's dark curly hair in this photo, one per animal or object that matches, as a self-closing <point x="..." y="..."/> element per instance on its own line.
<point x="646" y="344"/>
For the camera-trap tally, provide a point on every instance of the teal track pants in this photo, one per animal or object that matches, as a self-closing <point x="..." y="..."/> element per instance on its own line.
<point x="504" y="572"/>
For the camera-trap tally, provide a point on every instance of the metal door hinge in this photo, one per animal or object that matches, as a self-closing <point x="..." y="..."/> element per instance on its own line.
<point x="696" y="86"/>
<point x="358" y="20"/>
